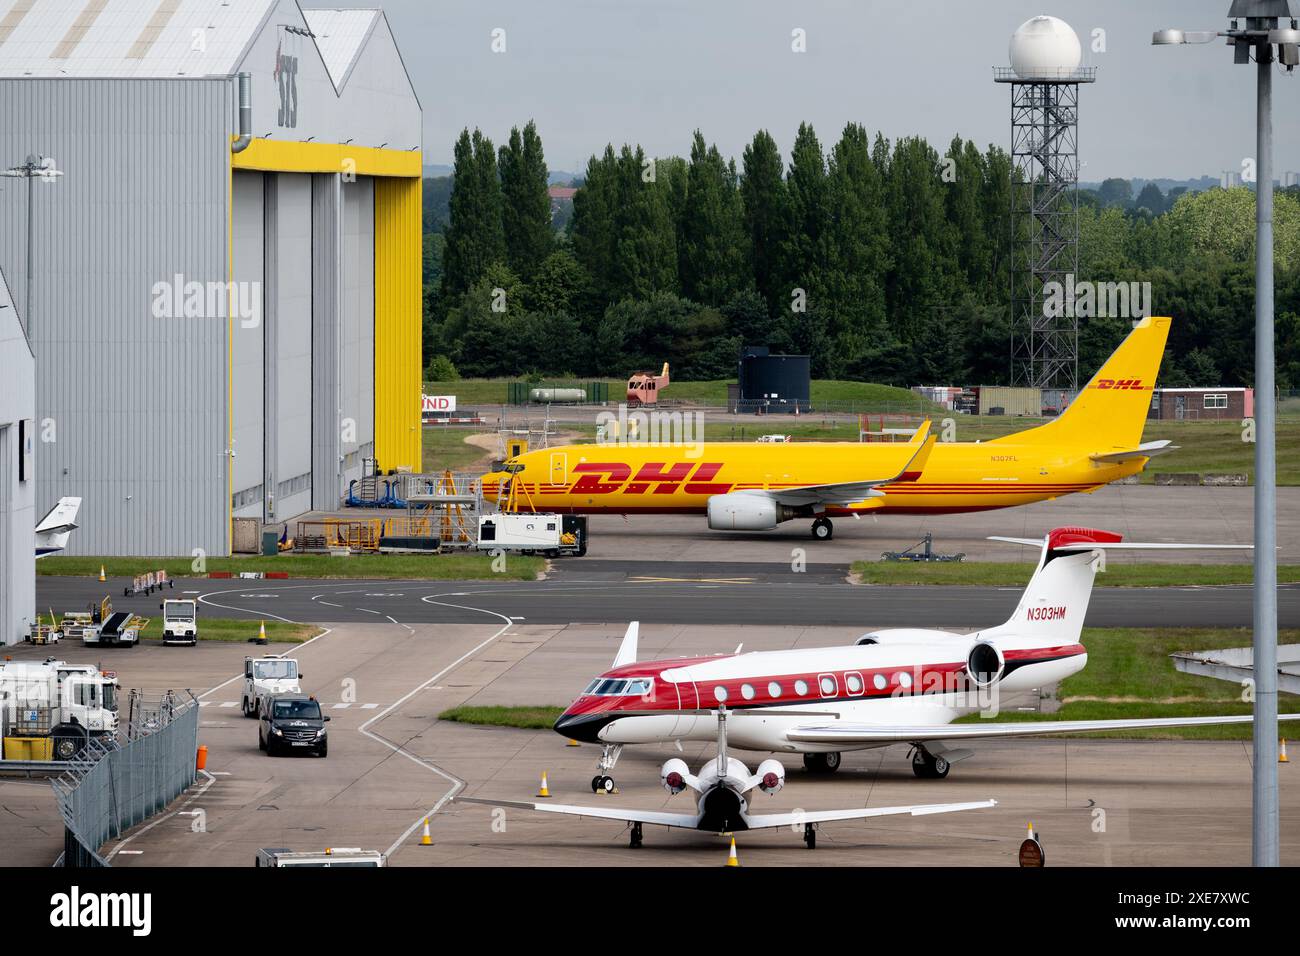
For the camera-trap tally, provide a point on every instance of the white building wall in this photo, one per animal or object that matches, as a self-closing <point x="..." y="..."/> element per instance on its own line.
<point x="17" y="479"/>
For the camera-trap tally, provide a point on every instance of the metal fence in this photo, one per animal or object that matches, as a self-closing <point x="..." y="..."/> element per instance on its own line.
<point x="113" y="786"/>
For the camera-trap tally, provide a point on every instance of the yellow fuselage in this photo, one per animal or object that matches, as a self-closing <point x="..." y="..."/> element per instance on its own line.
<point x="677" y="479"/>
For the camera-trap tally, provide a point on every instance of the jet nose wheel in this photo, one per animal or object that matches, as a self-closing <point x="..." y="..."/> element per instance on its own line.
<point x="822" y="529"/>
<point x="602" y="783"/>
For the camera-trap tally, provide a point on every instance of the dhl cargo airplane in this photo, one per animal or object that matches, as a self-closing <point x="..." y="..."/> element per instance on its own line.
<point x="754" y="486"/>
<point x="896" y="686"/>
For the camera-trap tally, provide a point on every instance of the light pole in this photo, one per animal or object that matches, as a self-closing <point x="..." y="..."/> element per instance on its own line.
<point x="1259" y="37"/>
<point x="42" y="168"/>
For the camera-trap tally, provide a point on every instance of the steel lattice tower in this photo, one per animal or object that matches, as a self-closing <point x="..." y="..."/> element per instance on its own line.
<point x="1044" y="223"/>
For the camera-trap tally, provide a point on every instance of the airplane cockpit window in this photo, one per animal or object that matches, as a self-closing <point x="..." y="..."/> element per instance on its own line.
<point x="638" y="687"/>
<point x="613" y="687"/>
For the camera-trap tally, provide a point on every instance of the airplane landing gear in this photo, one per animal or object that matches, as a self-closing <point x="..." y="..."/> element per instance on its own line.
<point x="822" y="529"/>
<point x="603" y="782"/>
<point x="929" y="766"/>
<point x="822" y="763"/>
<point x="634" y="840"/>
<point x="810" y="835"/>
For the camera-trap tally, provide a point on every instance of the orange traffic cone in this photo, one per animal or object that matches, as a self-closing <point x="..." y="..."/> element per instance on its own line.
<point x="261" y="633"/>
<point x="1031" y="831"/>
<point x="732" y="859"/>
<point x="572" y="743"/>
<point x="426" y="840"/>
<point x="1281" y="754"/>
<point x="102" y="576"/>
<point x="543" y="792"/>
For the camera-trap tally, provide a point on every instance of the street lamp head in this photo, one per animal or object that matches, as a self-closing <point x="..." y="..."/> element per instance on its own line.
<point x="1167" y="37"/>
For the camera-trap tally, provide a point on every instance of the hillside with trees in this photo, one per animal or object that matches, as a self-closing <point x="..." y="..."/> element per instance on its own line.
<point x="885" y="262"/>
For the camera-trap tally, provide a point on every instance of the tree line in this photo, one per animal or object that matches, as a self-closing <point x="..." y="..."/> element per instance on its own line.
<point x="885" y="262"/>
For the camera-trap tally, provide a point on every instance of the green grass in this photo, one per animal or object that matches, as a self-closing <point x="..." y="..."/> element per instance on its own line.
<point x="445" y="447"/>
<point x="470" y="392"/>
<point x="1217" y="448"/>
<point x="1129" y="674"/>
<point x="527" y="718"/>
<point x="432" y="567"/>
<point x="233" y="630"/>
<point x="998" y="574"/>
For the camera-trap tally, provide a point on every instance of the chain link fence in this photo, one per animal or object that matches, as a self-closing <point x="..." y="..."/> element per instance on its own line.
<point x="114" y="785"/>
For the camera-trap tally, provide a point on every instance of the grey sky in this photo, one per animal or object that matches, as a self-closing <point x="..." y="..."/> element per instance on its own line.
<point x="597" y="71"/>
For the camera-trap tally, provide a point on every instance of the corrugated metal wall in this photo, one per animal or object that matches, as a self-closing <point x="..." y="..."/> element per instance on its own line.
<point x="397" y="322"/>
<point x="289" y="347"/>
<point x="249" y="397"/>
<point x="135" y="394"/>
<point x="357" y="355"/>
<point x="327" y="302"/>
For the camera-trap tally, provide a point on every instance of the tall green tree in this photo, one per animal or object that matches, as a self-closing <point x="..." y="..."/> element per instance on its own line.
<point x="712" y="260"/>
<point x="856" y="252"/>
<point x="807" y="218"/>
<point x="763" y="196"/>
<point x="475" y="238"/>
<point x="526" y="207"/>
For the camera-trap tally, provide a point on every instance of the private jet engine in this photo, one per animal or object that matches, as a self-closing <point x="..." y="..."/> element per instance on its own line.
<point x="771" y="775"/>
<point x="673" y="775"/>
<point x="984" y="664"/>
<point x="744" y="512"/>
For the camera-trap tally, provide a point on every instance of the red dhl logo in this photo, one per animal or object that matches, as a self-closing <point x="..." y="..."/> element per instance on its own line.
<point x="1046" y="613"/>
<point x="1133" y="384"/>
<point x="654" y="477"/>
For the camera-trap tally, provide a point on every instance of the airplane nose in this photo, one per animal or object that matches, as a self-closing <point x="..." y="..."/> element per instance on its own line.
<point x="581" y="727"/>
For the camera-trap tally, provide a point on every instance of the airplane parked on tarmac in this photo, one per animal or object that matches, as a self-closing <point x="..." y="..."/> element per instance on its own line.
<point x="754" y="486"/>
<point x="53" y="531"/>
<point x="721" y="807"/>
<point x="903" y="685"/>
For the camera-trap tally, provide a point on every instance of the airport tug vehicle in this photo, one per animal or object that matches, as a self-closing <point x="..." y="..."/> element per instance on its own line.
<point x="897" y="686"/>
<point x="264" y="677"/>
<point x="180" y="621"/>
<point x="721" y="787"/>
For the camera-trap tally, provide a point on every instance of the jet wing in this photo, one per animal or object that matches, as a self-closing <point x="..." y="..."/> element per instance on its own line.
<point x="1146" y="450"/>
<point x="763" y="821"/>
<point x="868" y="734"/>
<point x="687" y="821"/>
<point x="849" y="492"/>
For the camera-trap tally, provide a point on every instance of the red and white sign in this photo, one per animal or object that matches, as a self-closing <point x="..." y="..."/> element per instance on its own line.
<point x="437" y="403"/>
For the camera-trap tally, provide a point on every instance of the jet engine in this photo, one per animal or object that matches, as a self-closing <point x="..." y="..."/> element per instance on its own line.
<point x="771" y="775"/>
<point x="743" y="512"/>
<point x="673" y="775"/>
<point x="984" y="664"/>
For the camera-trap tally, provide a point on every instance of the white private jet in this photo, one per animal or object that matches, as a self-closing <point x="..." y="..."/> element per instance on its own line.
<point x="53" y="531"/>
<point x="721" y="807"/>
<point x="903" y="685"/>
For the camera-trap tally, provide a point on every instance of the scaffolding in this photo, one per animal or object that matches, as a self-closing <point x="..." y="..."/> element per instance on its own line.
<point x="1044" y="223"/>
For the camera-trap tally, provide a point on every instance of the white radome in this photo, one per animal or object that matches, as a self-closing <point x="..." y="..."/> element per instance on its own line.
<point x="1044" y="47"/>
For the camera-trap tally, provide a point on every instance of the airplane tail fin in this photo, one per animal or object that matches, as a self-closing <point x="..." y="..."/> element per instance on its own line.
<point x="1110" y="412"/>
<point x="627" y="649"/>
<point x="1055" y="602"/>
<point x="53" y="531"/>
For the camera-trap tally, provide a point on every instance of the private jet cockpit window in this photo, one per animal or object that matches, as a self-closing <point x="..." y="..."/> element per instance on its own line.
<point x="616" y="687"/>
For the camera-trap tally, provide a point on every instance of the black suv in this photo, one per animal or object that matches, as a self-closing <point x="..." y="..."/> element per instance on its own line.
<point x="289" y="722"/>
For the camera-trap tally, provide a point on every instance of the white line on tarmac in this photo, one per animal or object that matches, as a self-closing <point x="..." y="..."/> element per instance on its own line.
<point x="145" y="829"/>
<point x="456" y="783"/>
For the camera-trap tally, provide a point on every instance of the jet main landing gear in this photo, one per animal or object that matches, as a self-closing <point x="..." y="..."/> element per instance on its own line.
<point x="810" y="835"/>
<point x="822" y="763"/>
<point x="634" y="840"/>
<point x="822" y="529"/>
<point x="929" y="766"/>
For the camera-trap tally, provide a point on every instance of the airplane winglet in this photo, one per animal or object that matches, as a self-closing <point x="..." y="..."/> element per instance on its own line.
<point x="627" y="650"/>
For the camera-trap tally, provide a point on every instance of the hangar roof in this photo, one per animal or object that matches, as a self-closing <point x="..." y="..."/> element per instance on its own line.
<point x="340" y="35"/>
<point x="159" y="38"/>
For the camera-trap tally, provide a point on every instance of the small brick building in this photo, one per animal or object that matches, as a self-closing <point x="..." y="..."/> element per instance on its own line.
<point x="1202" y="404"/>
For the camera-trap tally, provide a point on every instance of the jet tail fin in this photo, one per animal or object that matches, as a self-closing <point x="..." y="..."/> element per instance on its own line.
<point x="1110" y="412"/>
<point x="627" y="650"/>
<point x="53" y="530"/>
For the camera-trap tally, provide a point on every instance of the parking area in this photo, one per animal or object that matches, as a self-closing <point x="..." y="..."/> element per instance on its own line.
<point x="392" y="761"/>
